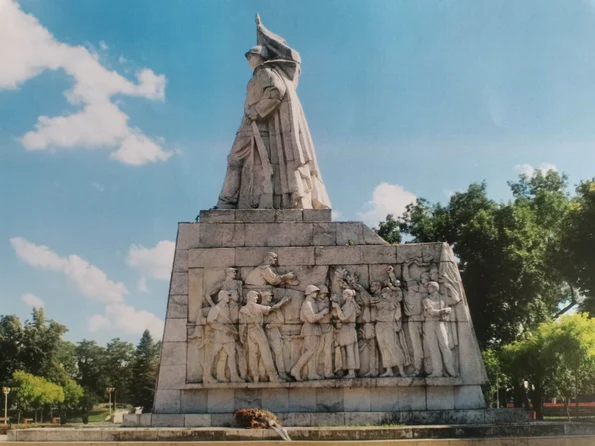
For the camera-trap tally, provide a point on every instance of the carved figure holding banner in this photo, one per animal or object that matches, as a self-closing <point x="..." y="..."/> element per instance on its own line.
<point x="272" y="163"/>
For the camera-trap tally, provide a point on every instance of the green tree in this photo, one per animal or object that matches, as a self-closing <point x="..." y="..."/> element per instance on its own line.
<point x="119" y="356"/>
<point x="11" y="341"/>
<point x="503" y="251"/>
<point x="574" y="256"/>
<point x="557" y="359"/>
<point x="33" y="393"/>
<point x="144" y="372"/>
<point x="389" y="230"/>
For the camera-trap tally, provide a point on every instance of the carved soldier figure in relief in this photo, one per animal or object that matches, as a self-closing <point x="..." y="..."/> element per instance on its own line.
<point x="347" y="337"/>
<point x="397" y="295"/>
<point x="311" y="333"/>
<point x="436" y="313"/>
<point x="325" y="347"/>
<point x="366" y="333"/>
<point x="273" y="322"/>
<point x="231" y="282"/>
<point x="266" y="276"/>
<point x="272" y="163"/>
<point x="416" y="291"/>
<point x="234" y="312"/>
<point x="252" y="335"/>
<point x="221" y="336"/>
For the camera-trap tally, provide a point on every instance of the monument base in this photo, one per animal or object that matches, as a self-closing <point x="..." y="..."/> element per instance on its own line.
<point x="313" y="419"/>
<point x="317" y="251"/>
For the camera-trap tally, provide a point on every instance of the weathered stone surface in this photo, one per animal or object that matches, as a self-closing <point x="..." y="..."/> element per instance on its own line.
<point x="275" y="400"/>
<point x="167" y="401"/>
<point x="194" y="401"/>
<point x="211" y="258"/>
<point x="357" y="399"/>
<point x="317" y="215"/>
<point x="329" y="419"/>
<point x="329" y="400"/>
<point x="173" y="353"/>
<point x="247" y="398"/>
<point x="324" y="234"/>
<point x="302" y="400"/>
<point x="188" y="235"/>
<point x="339" y="255"/>
<point x="172" y="377"/>
<point x="167" y="420"/>
<point x="440" y="398"/>
<point x="256" y="215"/>
<point x="379" y="254"/>
<point x="197" y="420"/>
<point x="213" y="235"/>
<point x="179" y="283"/>
<point x="468" y="397"/>
<point x="175" y="330"/>
<point x="349" y="233"/>
<point x="408" y="251"/>
<point x="282" y="215"/>
<point x="370" y="237"/>
<point x="411" y="398"/>
<point x="220" y="400"/>
<point x="384" y="399"/>
<point x="180" y="261"/>
<point x="217" y="216"/>
<point x="177" y="307"/>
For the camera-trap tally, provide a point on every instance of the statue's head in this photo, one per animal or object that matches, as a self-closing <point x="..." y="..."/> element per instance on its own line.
<point x="234" y="295"/>
<point x="223" y="296"/>
<point x="252" y="296"/>
<point x="256" y="56"/>
<point x="267" y="297"/>
<point x="348" y="294"/>
<point x="322" y="292"/>
<point x="375" y="286"/>
<point x="312" y="290"/>
<point x="271" y="259"/>
<point x="433" y="287"/>
<point x="231" y="273"/>
<point x="386" y="292"/>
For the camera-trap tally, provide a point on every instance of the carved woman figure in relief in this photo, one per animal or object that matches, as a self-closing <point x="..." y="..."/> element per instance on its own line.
<point x="347" y="336"/>
<point x="272" y="163"/>
<point x="386" y="333"/>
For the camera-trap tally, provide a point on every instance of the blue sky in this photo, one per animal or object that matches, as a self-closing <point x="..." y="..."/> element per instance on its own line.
<point x="116" y="119"/>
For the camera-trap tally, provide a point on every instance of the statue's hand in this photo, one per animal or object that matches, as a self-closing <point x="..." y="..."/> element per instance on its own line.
<point x="252" y="114"/>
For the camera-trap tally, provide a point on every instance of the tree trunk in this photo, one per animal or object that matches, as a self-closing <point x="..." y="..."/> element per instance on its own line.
<point x="538" y="402"/>
<point x="576" y="393"/>
<point x="567" y="406"/>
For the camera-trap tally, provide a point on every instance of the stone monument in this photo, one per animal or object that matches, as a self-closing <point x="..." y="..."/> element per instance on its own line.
<point x="272" y="305"/>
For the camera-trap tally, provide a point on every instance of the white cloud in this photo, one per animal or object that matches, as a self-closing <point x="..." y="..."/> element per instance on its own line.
<point x="94" y="284"/>
<point x="99" y="123"/>
<point x="386" y="199"/>
<point x="98" y="187"/>
<point x="155" y="263"/>
<point x="32" y="300"/>
<point x="103" y="45"/>
<point x="336" y="215"/>
<point x="98" y="322"/>
<point x="529" y="170"/>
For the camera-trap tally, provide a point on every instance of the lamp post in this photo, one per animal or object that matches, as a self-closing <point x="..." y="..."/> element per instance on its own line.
<point x="6" y="391"/>
<point x="109" y="392"/>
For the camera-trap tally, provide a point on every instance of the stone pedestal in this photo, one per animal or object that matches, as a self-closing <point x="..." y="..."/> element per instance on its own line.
<point x="313" y="247"/>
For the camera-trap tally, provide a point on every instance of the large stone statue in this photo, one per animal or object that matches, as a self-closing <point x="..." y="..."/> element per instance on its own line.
<point x="272" y="163"/>
<point x="252" y="335"/>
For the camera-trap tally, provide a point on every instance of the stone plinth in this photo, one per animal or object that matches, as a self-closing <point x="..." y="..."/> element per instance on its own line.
<point x="319" y="252"/>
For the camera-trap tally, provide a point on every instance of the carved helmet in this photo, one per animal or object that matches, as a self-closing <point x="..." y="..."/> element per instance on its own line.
<point x="311" y="289"/>
<point x="259" y="50"/>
